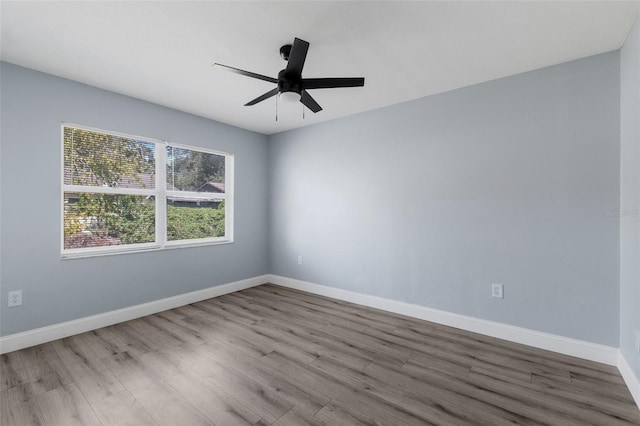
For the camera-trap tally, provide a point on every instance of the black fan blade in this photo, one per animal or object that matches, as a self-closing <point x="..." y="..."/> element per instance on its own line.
<point x="261" y="98"/>
<point x="329" y="83"/>
<point x="247" y="73"/>
<point x="297" y="57"/>
<point x="309" y="102"/>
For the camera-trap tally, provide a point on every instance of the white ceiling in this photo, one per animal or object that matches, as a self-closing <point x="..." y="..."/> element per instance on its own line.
<point x="162" y="51"/>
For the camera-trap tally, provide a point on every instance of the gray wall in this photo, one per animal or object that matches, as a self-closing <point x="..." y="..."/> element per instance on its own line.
<point x="630" y="197"/>
<point x="55" y="290"/>
<point x="431" y="201"/>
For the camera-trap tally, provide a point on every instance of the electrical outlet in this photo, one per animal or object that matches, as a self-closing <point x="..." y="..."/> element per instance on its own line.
<point x="637" y="341"/>
<point x="15" y="298"/>
<point x="497" y="290"/>
<point x="299" y="260"/>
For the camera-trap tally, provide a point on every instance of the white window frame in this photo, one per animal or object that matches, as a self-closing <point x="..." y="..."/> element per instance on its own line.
<point x="160" y="194"/>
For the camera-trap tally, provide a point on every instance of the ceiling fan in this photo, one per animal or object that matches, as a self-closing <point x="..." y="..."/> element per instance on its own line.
<point x="291" y="85"/>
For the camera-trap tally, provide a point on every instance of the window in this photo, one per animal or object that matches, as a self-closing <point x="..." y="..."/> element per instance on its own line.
<point x="125" y="193"/>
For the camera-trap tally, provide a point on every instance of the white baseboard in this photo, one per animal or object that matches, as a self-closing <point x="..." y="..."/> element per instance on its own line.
<point x="564" y="345"/>
<point x="629" y="377"/>
<point x="37" y="336"/>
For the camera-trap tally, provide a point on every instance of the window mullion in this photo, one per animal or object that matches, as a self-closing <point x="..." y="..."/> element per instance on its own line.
<point x="200" y="195"/>
<point x="107" y="190"/>
<point x="161" y="196"/>
<point x="229" y="174"/>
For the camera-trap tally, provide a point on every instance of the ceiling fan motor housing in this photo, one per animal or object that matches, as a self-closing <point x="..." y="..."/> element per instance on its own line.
<point x="289" y="83"/>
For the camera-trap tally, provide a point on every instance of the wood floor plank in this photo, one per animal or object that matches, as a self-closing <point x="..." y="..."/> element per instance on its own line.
<point x="609" y="403"/>
<point x="204" y="327"/>
<point x="502" y="373"/>
<point x="332" y="310"/>
<point x="66" y="406"/>
<point x="102" y="342"/>
<point x="335" y="415"/>
<point x="160" y="400"/>
<point x="186" y="310"/>
<point x="154" y="335"/>
<point x="239" y="345"/>
<point x="217" y="405"/>
<point x="277" y="307"/>
<point x="371" y="410"/>
<point x="313" y="341"/>
<point x="376" y="317"/>
<point x="481" y="400"/>
<point x="122" y="409"/>
<point x="318" y="309"/>
<point x="251" y="334"/>
<point x="172" y="315"/>
<point x="44" y="367"/>
<point x="294" y="418"/>
<point x="433" y="404"/>
<point x="216" y="370"/>
<point x="340" y="344"/>
<point x="221" y="313"/>
<point x="12" y="371"/>
<point x="305" y="375"/>
<point x="425" y="346"/>
<point x="272" y="355"/>
<point x="306" y="399"/>
<point x="225" y="305"/>
<point x="373" y="315"/>
<point x="181" y="332"/>
<point x="550" y="373"/>
<point x="18" y="406"/>
<point x="399" y="354"/>
<point x="582" y="412"/>
<point x="490" y="344"/>
<point x="611" y="382"/>
<point x="92" y="378"/>
<point x="128" y="339"/>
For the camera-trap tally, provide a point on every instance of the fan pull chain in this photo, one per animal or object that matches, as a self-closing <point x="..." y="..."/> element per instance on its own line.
<point x="277" y="108"/>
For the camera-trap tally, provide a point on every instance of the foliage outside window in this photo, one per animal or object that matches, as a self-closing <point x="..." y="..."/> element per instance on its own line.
<point x="124" y="193"/>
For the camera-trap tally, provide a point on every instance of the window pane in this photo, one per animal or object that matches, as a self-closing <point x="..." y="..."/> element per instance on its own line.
<point x="189" y="170"/>
<point x="98" y="220"/>
<point x="189" y="219"/>
<point x="99" y="159"/>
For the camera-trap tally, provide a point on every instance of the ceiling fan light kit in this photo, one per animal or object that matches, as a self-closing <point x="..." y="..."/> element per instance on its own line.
<point x="291" y="86"/>
<point x="290" y="97"/>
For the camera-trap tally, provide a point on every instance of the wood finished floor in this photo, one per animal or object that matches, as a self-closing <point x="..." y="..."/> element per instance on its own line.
<point x="270" y="355"/>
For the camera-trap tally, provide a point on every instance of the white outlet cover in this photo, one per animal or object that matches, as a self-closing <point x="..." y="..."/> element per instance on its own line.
<point x="299" y="260"/>
<point x="497" y="291"/>
<point x="637" y="341"/>
<point x="15" y="298"/>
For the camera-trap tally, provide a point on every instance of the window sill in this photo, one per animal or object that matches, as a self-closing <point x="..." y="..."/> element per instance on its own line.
<point x="168" y="246"/>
